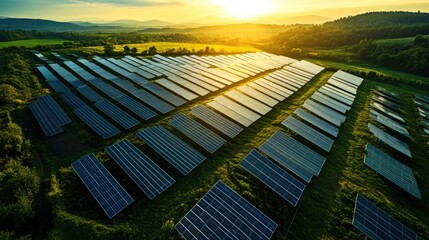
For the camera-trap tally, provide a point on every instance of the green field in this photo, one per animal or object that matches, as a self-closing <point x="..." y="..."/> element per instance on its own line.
<point x="366" y="67"/>
<point x="164" y="46"/>
<point x="31" y="43"/>
<point x="398" y="41"/>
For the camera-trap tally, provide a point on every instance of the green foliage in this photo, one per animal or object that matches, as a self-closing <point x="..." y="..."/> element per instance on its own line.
<point x="152" y="50"/>
<point x="126" y="49"/>
<point x="12" y="142"/>
<point x="8" y="93"/>
<point x="109" y="48"/>
<point x="134" y="50"/>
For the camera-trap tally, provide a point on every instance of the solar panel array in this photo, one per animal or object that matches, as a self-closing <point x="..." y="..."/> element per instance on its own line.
<point x="96" y="122"/>
<point x="392" y="169"/>
<point x="178" y="153"/>
<point x="49" y="115"/>
<point x="309" y="133"/>
<point x="150" y="178"/>
<point x="422" y="103"/>
<point x="284" y="184"/>
<point x="203" y="136"/>
<point x="390" y="140"/>
<point x="110" y="195"/>
<point x="118" y="115"/>
<point x="293" y="155"/>
<point x="388" y="122"/>
<point x="377" y="224"/>
<point x="223" y="214"/>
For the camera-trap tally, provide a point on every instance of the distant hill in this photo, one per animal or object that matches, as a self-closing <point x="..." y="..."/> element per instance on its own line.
<point x="36" y="24"/>
<point x="384" y="18"/>
<point x="139" y="24"/>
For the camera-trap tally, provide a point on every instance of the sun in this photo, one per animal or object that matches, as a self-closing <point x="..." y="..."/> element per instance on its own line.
<point x="245" y="9"/>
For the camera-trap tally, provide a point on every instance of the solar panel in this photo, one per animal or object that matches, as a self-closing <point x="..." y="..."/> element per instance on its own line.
<point x="287" y="85"/>
<point x="118" y="115"/>
<point x="191" y="86"/>
<point x="388" y="122"/>
<point x="392" y="95"/>
<point x="164" y="94"/>
<point x="199" y="82"/>
<point x="387" y="103"/>
<point x="55" y="112"/>
<point x="357" y="81"/>
<point x="392" y="169"/>
<point x="334" y="95"/>
<point x="267" y="91"/>
<point x="223" y="214"/>
<point x="258" y="95"/>
<point x="177" y="89"/>
<point x="58" y="86"/>
<point x="248" y="102"/>
<point x="284" y="184"/>
<point x="342" y="108"/>
<point x="203" y="136"/>
<point x="72" y="100"/>
<point x="390" y="140"/>
<point x="388" y="112"/>
<point x="150" y="178"/>
<point x="96" y="122"/>
<point x="324" y="112"/>
<point x="49" y="127"/>
<point x="293" y="155"/>
<point x="317" y="122"/>
<point x="238" y="108"/>
<point x="217" y="121"/>
<point x="230" y="113"/>
<point x="136" y="107"/>
<point x="153" y="101"/>
<point x="319" y="139"/>
<point x="274" y="87"/>
<point x="342" y="86"/>
<point x="377" y="224"/>
<point x="110" y="195"/>
<point x="179" y="154"/>
<point x="47" y="74"/>
<point x="89" y="94"/>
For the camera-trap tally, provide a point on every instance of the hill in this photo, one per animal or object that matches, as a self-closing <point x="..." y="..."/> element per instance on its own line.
<point x="36" y="24"/>
<point x="384" y="18"/>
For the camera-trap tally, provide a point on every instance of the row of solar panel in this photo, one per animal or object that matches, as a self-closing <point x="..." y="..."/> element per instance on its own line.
<point x="50" y="116"/>
<point x="422" y="103"/>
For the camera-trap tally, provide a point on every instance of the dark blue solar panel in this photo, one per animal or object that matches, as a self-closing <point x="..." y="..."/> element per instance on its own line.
<point x="96" y="122"/>
<point x="377" y="224"/>
<point x="294" y="155"/>
<point x="72" y="100"/>
<point x="153" y="101"/>
<point x="274" y="177"/>
<point x="309" y="133"/>
<point x="117" y="114"/>
<point x="223" y="214"/>
<point x="136" y="107"/>
<point x="141" y="169"/>
<point x="203" y="136"/>
<point x="111" y="196"/>
<point x="90" y="94"/>
<point x="164" y="94"/>
<point x="58" y="86"/>
<point x="48" y="126"/>
<point x="217" y="121"/>
<point x="179" y="154"/>
<point x="55" y="112"/>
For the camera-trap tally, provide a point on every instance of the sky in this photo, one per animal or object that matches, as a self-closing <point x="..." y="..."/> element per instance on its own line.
<point x="196" y="10"/>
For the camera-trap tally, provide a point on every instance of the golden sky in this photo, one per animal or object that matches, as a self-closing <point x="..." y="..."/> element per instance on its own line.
<point x="195" y="10"/>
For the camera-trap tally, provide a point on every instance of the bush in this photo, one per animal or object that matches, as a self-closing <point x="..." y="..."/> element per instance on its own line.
<point x="8" y="93"/>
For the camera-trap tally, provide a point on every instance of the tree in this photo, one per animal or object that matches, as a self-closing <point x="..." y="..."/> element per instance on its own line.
<point x="127" y="49"/>
<point x="420" y="40"/>
<point x="134" y="50"/>
<point x="207" y="50"/>
<point x="8" y="93"/>
<point x="152" y="50"/>
<point x="108" y="48"/>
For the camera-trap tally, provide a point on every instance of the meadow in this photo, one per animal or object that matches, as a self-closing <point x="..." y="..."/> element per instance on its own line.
<point x="31" y="43"/>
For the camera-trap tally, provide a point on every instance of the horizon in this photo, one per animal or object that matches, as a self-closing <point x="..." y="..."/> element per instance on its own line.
<point x="211" y="11"/>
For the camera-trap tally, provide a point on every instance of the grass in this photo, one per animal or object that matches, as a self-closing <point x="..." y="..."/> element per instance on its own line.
<point x="325" y="210"/>
<point x="338" y="52"/>
<point x="398" y="41"/>
<point x="31" y="43"/>
<point x="366" y="67"/>
<point x="164" y="46"/>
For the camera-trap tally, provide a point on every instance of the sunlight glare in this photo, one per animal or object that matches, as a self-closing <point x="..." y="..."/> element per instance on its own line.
<point x="245" y="9"/>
